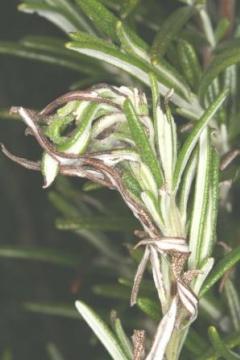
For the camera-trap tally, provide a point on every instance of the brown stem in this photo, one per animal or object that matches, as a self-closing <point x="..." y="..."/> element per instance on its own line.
<point x="227" y="9"/>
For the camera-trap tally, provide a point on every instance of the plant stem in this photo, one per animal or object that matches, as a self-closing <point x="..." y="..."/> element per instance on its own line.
<point x="176" y="343"/>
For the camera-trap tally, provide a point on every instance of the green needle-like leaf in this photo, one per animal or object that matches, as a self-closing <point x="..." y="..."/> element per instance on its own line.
<point x="54" y="309"/>
<point x="51" y="256"/>
<point x="102" y="331"/>
<point x="102" y="50"/>
<point x="131" y="42"/>
<point x="193" y="137"/>
<point x="149" y="307"/>
<point x="102" y="223"/>
<point x="102" y="18"/>
<point x="56" y="46"/>
<point x="220" y="62"/>
<point x="123" y="339"/>
<point x="61" y="13"/>
<point x="230" y="341"/>
<point x="209" y="226"/>
<point x="220" y="347"/>
<point x="111" y="291"/>
<point x="201" y="195"/>
<point x="226" y="263"/>
<point x="189" y="63"/>
<point x="233" y="302"/>
<point x="169" y="30"/>
<point x="186" y="185"/>
<point x="50" y="57"/>
<point x="140" y="138"/>
<point x="131" y="183"/>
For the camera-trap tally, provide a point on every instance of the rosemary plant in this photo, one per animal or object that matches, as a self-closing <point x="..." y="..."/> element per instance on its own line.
<point x="129" y="138"/>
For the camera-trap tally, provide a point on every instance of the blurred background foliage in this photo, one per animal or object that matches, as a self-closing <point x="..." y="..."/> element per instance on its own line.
<point x="28" y="218"/>
<point x="38" y="319"/>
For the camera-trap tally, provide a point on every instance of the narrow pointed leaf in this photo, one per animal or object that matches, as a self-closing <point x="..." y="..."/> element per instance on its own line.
<point x="62" y="13"/>
<point x="209" y="235"/>
<point x="220" y="347"/>
<point x="131" y="183"/>
<point x="123" y="339"/>
<point x="230" y="341"/>
<point x="111" y="291"/>
<point x="102" y="223"/>
<point x="71" y="12"/>
<point x="101" y="330"/>
<point x="102" y="50"/>
<point x="226" y="263"/>
<point x="52" y="256"/>
<point x="220" y="62"/>
<point x="54" y="309"/>
<point x="56" y="46"/>
<point x="205" y="269"/>
<point x="233" y="302"/>
<point x="62" y="205"/>
<point x="91" y="186"/>
<point x="53" y="58"/>
<point x="141" y="141"/>
<point x="56" y="16"/>
<point x="193" y="137"/>
<point x="78" y="142"/>
<point x="102" y="18"/>
<point x="211" y="309"/>
<point x="155" y="96"/>
<point x="189" y="63"/>
<point x="149" y="307"/>
<point x="131" y="42"/>
<point x="200" y="204"/>
<point x="169" y="30"/>
<point x="166" y="141"/>
<point x="186" y="185"/>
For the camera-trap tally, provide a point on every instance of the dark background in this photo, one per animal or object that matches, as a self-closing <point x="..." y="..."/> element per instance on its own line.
<point x="27" y="217"/>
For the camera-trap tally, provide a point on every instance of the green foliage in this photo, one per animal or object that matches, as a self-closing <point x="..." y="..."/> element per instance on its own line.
<point x="167" y="169"/>
<point x="169" y="30"/>
<point x="102" y="331"/>
<point x="47" y="255"/>
<point x="225" y="264"/>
